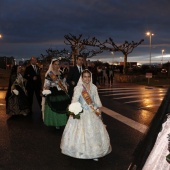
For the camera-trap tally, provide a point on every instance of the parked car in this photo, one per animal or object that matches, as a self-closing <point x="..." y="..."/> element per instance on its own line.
<point x="164" y="71"/>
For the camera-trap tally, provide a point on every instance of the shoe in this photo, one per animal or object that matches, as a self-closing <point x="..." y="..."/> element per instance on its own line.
<point x="57" y="127"/>
<point x="95" y="159"/>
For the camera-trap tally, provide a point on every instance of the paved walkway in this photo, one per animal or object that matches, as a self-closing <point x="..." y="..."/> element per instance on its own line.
<point x="27" y="144"/>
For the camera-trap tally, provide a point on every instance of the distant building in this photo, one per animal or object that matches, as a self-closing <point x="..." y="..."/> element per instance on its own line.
<point x="7" y="62"/>
<point x="129" y="64"/>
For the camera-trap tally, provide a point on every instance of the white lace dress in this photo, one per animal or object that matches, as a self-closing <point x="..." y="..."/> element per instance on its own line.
<point x="157" y="157"/>
<point x="87" y="137"/>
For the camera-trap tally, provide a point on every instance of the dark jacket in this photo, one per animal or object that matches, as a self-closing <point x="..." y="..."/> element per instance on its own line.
<point x="73" y="75"/>
<point x="29" y="74"/>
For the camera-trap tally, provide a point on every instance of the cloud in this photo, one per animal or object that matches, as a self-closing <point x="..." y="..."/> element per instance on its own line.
<point x="30" y="27"/>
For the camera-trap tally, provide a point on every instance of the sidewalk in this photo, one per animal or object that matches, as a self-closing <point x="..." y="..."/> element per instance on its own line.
<point x="115" y="83"/>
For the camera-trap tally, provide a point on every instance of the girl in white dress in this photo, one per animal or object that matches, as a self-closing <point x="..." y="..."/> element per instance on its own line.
<point x="152" y="151"/>
<point x="87" y="137"/>
<point x="157" y="157"/>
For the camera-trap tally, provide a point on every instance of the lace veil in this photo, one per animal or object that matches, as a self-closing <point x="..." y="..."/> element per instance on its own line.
<point x="50" y="66"/>
<point x="80" y="82"/>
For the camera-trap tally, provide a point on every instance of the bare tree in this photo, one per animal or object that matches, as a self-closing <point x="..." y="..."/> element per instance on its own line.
<point x="81" y="46"/>
<point x="76" y="45"/>
<point x="58" y="53"/>
<point x="125" y="48"/>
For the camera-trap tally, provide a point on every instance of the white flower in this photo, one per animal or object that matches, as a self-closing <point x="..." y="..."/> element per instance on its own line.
<point x="46" y="92"/>
<point x="16" y="92"/>
<point x="75" y="108"/>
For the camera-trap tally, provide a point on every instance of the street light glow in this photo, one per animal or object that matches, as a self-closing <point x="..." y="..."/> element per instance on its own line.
<point x="150" y="42"/>
<point x="162" y="55"/>
<point x="149" y="34"/>
<point x="0" y="36"/>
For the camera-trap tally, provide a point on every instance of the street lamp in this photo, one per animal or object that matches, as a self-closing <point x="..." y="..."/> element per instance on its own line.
<point x="162" y="56"/>
<point x="150" y="43"/>
<point x="0" y="36"/>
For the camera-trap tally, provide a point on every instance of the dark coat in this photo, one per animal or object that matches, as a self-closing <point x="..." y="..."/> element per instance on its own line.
<point x="29" y="74"/>
<point x="33" y="86"/>
<point x="73" y="75"/>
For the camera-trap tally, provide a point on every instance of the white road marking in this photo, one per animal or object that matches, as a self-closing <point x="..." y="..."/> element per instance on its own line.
<point x="125" y="93"/>
<point x="115" y="88"/>
<point x="132" y="88"/>
<point x="141" y="95"/>
<point x="149" y="106"/>
<point x="135" y="101"/>
<point x="152" y="94"/>
<point x="133" y="124"/>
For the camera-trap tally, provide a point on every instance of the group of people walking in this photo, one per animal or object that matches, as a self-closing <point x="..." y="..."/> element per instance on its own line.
<point x="102" y="75"/>
<point x="84" y="138"/>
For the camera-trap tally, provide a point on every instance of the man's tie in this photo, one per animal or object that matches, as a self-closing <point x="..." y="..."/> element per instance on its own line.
<point x="80" y="70"/>
<point x="35" y="68"/>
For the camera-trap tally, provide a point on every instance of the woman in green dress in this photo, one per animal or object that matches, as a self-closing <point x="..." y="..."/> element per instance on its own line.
<point x="55" y="100"/>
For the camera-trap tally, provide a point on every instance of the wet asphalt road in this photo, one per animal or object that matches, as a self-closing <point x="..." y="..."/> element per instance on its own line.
<point x="27" y="144"/>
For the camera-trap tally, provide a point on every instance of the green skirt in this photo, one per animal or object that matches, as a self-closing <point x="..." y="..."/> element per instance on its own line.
<point x="55" y="113"/>
<point x="52" y="118"/>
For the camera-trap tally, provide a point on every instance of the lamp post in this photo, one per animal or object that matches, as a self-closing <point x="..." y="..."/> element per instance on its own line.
<point x="162" y="56"/>
<point x="150" y="43"/>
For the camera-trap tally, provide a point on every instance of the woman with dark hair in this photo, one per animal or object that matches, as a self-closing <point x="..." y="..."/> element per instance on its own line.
<point x="86" y="137"/>
<point x="55" y="100"/>
<point x="16" y="96"/>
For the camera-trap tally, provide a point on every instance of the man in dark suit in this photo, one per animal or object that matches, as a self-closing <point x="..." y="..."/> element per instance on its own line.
<point x="94" y="72"/>
<point x="34" y="83"/>
<point x="74" y="74"/>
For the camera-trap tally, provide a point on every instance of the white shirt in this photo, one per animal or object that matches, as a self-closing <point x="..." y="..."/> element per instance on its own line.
<point x="79" y="68"/>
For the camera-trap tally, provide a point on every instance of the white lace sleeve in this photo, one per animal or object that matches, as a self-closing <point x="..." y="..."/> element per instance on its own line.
<point x="47" y="84"/>
<point x="76" y="95"/>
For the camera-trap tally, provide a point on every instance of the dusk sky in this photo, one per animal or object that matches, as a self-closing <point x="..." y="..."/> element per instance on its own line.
<point x="30" y="27"/>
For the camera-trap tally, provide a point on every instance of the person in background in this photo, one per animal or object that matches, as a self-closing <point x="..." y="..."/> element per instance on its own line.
<point x="74" y="74"/>
<point x="104" y="75"/>
<point x="54" y="105"/>
<point x="34" y="83"/>
<point x="99" y="75"/>
<point x="153" y="151"/>
<point x="110" y="75"/>
<point x="93" y="70"/>
<point x="64" y="70"/>
<point x="157" y="157"/>
<point x="87" y="137"/>
<point x="16" y="96"/>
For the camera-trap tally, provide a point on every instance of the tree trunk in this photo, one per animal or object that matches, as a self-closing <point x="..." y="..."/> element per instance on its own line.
<point x="74" y="55"/>
<point x="125" y="64"/>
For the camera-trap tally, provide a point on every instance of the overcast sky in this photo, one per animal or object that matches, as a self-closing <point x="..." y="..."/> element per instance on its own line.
<point x="30" y="27"/>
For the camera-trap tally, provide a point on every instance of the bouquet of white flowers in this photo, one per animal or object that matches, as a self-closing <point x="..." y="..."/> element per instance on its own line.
<point x="75" y="109"/>
<point x="46" y="92"/>
<point x="16" y="92"/>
